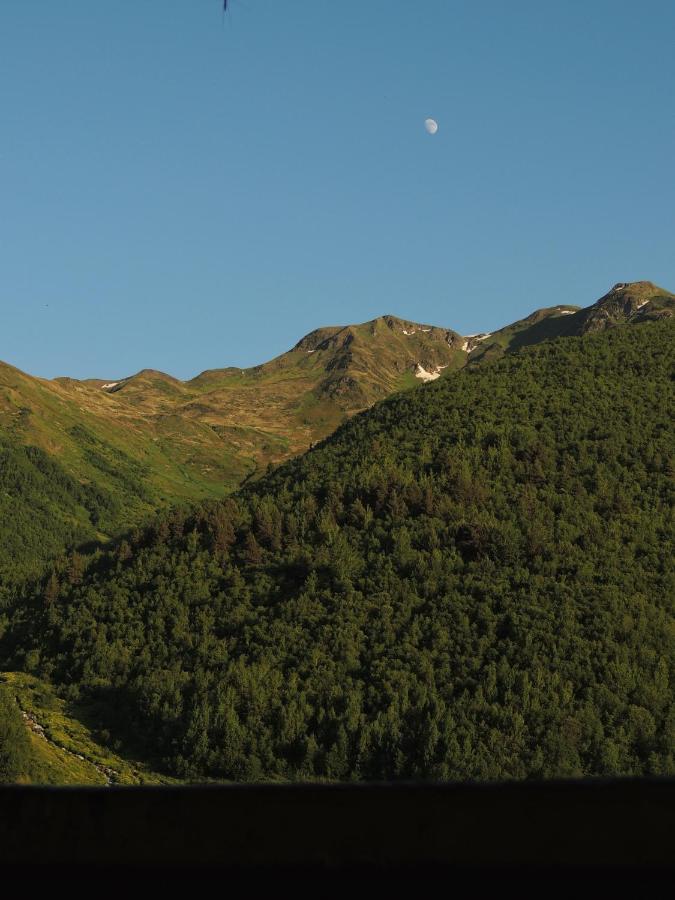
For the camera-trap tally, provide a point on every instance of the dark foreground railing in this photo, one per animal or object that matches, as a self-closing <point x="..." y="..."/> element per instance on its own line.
<point x="387" y="828"/>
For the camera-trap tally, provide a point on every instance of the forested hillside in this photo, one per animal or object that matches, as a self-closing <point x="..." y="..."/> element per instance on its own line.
<point x="470" y="581"/>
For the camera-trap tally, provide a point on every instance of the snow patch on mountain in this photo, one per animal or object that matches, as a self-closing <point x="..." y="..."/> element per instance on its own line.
<point x="111" y="385"/>
<point x="424" y="375"/>
<point x="473" y="340"/>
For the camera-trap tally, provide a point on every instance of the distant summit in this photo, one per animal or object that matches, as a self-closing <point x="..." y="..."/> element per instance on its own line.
<point x="625" y="303"/>
<point x="636" y="301"/>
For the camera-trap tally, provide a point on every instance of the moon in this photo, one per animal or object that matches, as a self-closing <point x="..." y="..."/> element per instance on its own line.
<point x="431" y="126"/>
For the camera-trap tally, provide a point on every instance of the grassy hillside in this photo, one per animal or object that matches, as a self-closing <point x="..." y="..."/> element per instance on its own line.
<point x="301" y="396"/>
<point x="542" y="325"/>
<point x="58" y="747"/>
<point x="96" y="437"/>
<point x="471" y="580"/>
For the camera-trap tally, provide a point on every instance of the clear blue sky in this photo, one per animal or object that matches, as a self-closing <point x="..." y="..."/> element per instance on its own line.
<point x="182" y="192"/>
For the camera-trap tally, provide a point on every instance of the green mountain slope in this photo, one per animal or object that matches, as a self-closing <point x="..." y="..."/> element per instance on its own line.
<point x="80" y="461"/>
<point x="471" y="580"/>
<point x="301" y="396"/>
<point x="541" y="325"/>
<point x="640" y="301"/>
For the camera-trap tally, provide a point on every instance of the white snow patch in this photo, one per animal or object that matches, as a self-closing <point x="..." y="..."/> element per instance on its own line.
<point x="408" y="332"/>
<point x="473" y="340"/>
<point x="640" y="305"/>
<point x="567" y="312"/>
<point x="111" y="384"/>
<point x="425" y="329"/>
<point x="423" y="375"/>
<point x="311" y="351"/>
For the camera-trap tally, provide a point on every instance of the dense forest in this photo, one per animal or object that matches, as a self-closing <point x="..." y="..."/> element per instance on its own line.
<point x="473" y="580"/>
<point x="43" y="510"/>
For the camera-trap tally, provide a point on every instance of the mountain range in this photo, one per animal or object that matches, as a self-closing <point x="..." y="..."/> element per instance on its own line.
<point x="84" y="459"/>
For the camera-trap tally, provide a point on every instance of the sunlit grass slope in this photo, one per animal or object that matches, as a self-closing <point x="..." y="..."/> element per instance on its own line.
<point x="64" y="750"/>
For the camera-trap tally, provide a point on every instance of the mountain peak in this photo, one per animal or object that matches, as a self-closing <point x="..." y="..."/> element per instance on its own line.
<point x="640" y="290"/>
<point x="628" y="301"/>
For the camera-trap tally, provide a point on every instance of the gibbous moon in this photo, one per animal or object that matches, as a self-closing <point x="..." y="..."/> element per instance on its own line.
<point x="431" y="126"/>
